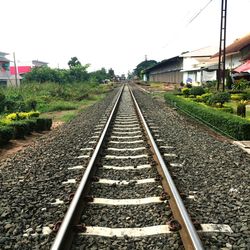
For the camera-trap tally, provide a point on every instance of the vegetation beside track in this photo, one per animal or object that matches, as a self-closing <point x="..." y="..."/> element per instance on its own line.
<point x="229" y="124"/>
<point x="60" y="102"/>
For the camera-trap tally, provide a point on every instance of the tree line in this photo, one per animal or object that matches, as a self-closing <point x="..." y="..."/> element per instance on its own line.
<point x="76" y="73"/>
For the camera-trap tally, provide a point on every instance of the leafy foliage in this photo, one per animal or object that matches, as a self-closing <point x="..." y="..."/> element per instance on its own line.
<point x="2" y="102"/>
<point x="185" y="92"/>
<point x="232" y="125"/>
<point x="241" y="108"/>
<point x="142" y="66"/>
<point x="241" y="84"/>
<point x="198" y="90"/>
<point x="219" y="97"/>
<point x="74" y="62"/>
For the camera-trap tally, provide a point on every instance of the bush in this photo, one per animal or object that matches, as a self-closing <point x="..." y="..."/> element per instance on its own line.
<point x="31" y="104"/>
<point x="185" y="92"/>
<point x="21" y="128"/>
<point x="43" y="124"/>
<point x="33" y="114"/>
<point x="240" y="84"/>
<point x="226" y="109"/>
<point x="6" y="134"/>
<point x="206" y="96"/>
<point x="197" y="91"/>
<point x="232" y="125"/>
<point x="241" y="108"/>
<point x="22" y="115"/>
<point x="2" y="102"/>
<point x="32" y="123"/>
<point x="236" y="97"/>
<point x="198" y="98"/>
<point x="219" y="97"/>
<point x="246" y="96"/>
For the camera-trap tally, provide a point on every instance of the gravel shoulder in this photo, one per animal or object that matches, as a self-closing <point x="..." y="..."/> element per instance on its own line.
<point x="214" y="169"/>
<point x="31" y="180"/>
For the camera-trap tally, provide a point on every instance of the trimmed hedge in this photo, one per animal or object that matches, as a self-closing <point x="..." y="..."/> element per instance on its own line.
<point x="6" y="134"/>
<point x="43" y="124"/>
<point x="229" y="124"/>
<point x="19" y="129"/>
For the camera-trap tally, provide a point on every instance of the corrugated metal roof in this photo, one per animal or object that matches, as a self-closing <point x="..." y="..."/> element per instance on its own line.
<point x="237" y="45"/>
<point x="164" y="62"/>
<point x="202" y="52"/>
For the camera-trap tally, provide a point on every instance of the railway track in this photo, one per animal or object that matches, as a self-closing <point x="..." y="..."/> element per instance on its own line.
<point x="126" y="198"/>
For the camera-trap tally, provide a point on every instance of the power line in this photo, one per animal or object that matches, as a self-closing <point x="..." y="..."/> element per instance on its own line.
<point x="190" y="21"/>
<point x="196" y="15"/>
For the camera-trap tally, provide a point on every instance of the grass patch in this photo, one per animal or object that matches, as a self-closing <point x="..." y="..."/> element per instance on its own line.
<point x="58" y="106"/>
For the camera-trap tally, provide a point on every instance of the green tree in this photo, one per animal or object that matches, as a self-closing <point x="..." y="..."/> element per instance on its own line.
<point x="111" y="74"/>
<point x="73" y="62"/>
<point x="99" y="75"/>
<point x="138" y="71"/>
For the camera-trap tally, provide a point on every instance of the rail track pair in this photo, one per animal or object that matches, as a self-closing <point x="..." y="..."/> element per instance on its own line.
<point x="127" y="149"/>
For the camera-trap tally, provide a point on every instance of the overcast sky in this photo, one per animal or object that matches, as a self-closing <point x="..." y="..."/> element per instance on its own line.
<point x="114" y="33"/>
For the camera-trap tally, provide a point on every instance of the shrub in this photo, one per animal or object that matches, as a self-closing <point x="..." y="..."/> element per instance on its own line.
<point x="33" y="114"/>
<point x="43" y="124"/>
<point x="246" y="96"/>
<point x="236" y="97"/>
<point x="240" y="84"/>
<point x="31" y="104"/>
<point x="229" y="124"/>
<point x="205" y="97"/>
<point x="6" y="134"/>
<point x="32" y="123"/>
<point x="198" y="98"/>
<point x="21" y="128"/>
<point x="185" y="92"/>
<point x="219" y="97"/>
<point x="22" y="115"/>
<point x="2" y="102"/>
<point x="197" y="91"/>
<point x="226" y="109"/>
<point x="241" y="108"/>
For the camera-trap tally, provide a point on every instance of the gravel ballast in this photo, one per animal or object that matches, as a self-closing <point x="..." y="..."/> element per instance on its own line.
<point x="32" y="179"/>
<point x="214" y="169"/>
<point x="127" y="217"/>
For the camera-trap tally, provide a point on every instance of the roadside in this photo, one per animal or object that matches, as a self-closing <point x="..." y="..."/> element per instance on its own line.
<point x="157" y="91"/>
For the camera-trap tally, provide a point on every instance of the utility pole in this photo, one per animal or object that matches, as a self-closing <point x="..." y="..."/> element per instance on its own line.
<point x="222" y="48"/>
<point x="15" y="67"/>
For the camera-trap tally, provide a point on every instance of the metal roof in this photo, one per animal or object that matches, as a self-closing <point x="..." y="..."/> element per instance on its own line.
<point x="237" y="45"/>
<point x="162" y="63"/>
<point x="202" y="52"/>
<point x="3" y="59"/>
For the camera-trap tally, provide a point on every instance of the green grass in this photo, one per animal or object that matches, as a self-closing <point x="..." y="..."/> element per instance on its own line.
<point x="70" y="115"/>
<point x="52" y="97"/>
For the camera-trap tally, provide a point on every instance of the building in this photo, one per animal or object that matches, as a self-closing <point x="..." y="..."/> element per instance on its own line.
<point x="25" y="68"/>
<point x="4" y="69"/>
<point x="237" y="54"/>
<point x="167" y="71"/>
<point x="192" y="71"/>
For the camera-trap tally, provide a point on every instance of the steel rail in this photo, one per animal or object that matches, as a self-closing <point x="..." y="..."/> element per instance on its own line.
<point x="192" y="233"/>
<point x="62" y="238"/>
